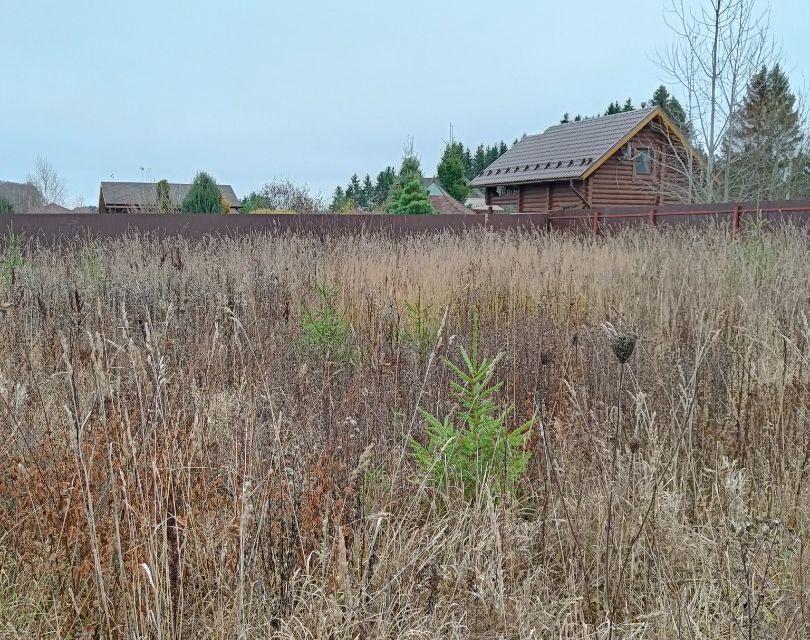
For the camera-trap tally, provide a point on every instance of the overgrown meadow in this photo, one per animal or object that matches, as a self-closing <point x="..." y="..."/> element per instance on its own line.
<point x="482" y="435"/>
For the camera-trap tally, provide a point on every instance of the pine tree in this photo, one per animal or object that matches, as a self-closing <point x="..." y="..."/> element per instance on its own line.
<point x="6" y="206"/>
<point x="613" y="107"/>
<point x="204" y="196"/>
<point x="565" y="119"/>
<point x="163" y="198"/>
<point x="628" y="105"/>
<point x="450" y="172"/>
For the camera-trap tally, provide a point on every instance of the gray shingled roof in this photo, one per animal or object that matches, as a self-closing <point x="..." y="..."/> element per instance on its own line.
<point x="144" y="194"/>
<point x="21" y="195"/>
<point x="561" y="152"/>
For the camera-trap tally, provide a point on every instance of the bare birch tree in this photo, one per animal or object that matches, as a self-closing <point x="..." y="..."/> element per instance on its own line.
<point x="45" y="178"/>
<point x="718" y="46"/>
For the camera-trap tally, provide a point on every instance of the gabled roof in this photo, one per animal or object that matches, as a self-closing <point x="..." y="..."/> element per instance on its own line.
<point x="143" y="195"/>
<point x="570" y="151"/>
<point x="22" y="196"/>
<point x="442" y="201"/>
<point x="50" y="208"/>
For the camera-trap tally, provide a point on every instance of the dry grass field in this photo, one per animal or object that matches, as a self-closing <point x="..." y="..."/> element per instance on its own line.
<point x="213" y="440"/>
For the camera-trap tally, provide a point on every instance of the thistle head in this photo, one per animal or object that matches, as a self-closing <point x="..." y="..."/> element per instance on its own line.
<point x="623" y="343"/>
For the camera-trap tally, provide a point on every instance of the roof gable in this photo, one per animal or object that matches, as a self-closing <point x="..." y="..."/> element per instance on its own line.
<point x="567" y="151"/>
<point x="144" y="194"/>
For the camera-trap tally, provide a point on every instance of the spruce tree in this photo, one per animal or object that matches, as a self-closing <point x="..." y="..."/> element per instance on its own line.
<point x="338" y="200"/>
<point x="450" y="173"/>
<point x="204" y="196"/>
<point x="382" y="188"/>
<point x="661" y="97"/>
<point x="367" y="199"/>
<point x="766" y="140"/>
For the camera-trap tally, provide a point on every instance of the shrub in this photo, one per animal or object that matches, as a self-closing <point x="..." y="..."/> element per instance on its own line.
<point x="473" y="446"/>
<point x="6" y="206"/>
<point x="163" y="198"/>
<point x="203" y="196"/>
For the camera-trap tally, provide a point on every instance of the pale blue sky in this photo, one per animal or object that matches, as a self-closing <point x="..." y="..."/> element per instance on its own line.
<point x="312" y="91"/>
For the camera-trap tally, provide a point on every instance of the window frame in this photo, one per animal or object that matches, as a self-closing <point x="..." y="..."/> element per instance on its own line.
<point x="651" y="155"/>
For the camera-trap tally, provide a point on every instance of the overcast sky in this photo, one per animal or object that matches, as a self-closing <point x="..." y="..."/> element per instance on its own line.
<point x="312" y="91"/>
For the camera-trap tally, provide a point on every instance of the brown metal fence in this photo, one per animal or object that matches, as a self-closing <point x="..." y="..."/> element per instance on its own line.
<point x="732" y="215"/>
<point x="51" y="228"/>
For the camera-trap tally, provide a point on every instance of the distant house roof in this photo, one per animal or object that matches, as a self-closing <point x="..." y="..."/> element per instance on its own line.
<point x="442" y="201"/>
<point x="50" y="208"/>
<point x="87" y="209"/>
<point x="22" y="196"/>
<point x="569" y="151"/>
<point x="143" y="195"/>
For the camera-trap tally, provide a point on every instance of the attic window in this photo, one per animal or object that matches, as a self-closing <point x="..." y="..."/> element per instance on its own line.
<point x="644" y="162"/>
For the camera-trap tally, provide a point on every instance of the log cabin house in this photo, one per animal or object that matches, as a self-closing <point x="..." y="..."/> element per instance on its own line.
<point x="632" y="158"/>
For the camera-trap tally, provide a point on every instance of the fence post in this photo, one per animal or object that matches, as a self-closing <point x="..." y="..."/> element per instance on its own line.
<point x="652" y="217"/>
<point x="737" y="215"/>
<point x="596" y="222"/>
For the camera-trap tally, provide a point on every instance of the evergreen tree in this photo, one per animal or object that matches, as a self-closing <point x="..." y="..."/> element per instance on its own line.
<point x="204" y="196"/>
<point x="661" y="97"/>
<point x="613" y="107"/>
<point x="450" y="172"/>
<point x="565" y="119"/>
<point x="382" y="188"/>
<point x="409" y="195"/>
<point x="628" y="105"/>
<point x="163" y="198"/>
<point x="367" y="193"/>
<point x="479" y="162"/>
<point x="353" y="189"/>
<point x="501" y="150"/>
<point x="338" y="200"/>
<point x="254" y="201"/>
<point x="766" y="140"/>
<point x="5" y="206"/>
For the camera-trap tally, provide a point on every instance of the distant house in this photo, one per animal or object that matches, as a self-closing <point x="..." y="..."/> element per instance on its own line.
<point x="631" y="158"/>
<point x="141" y="197"/>
<point x="50" y="208"/>
<point x="442" y="201"/>
<point x="22" y="196"/>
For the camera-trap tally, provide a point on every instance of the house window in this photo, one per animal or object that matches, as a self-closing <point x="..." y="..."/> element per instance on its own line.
<point x="506" y="191"/>
<point x="644" y="162"/>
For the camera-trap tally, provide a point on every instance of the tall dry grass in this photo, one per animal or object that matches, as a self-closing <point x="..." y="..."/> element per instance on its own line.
<point x="177" y="465"/>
